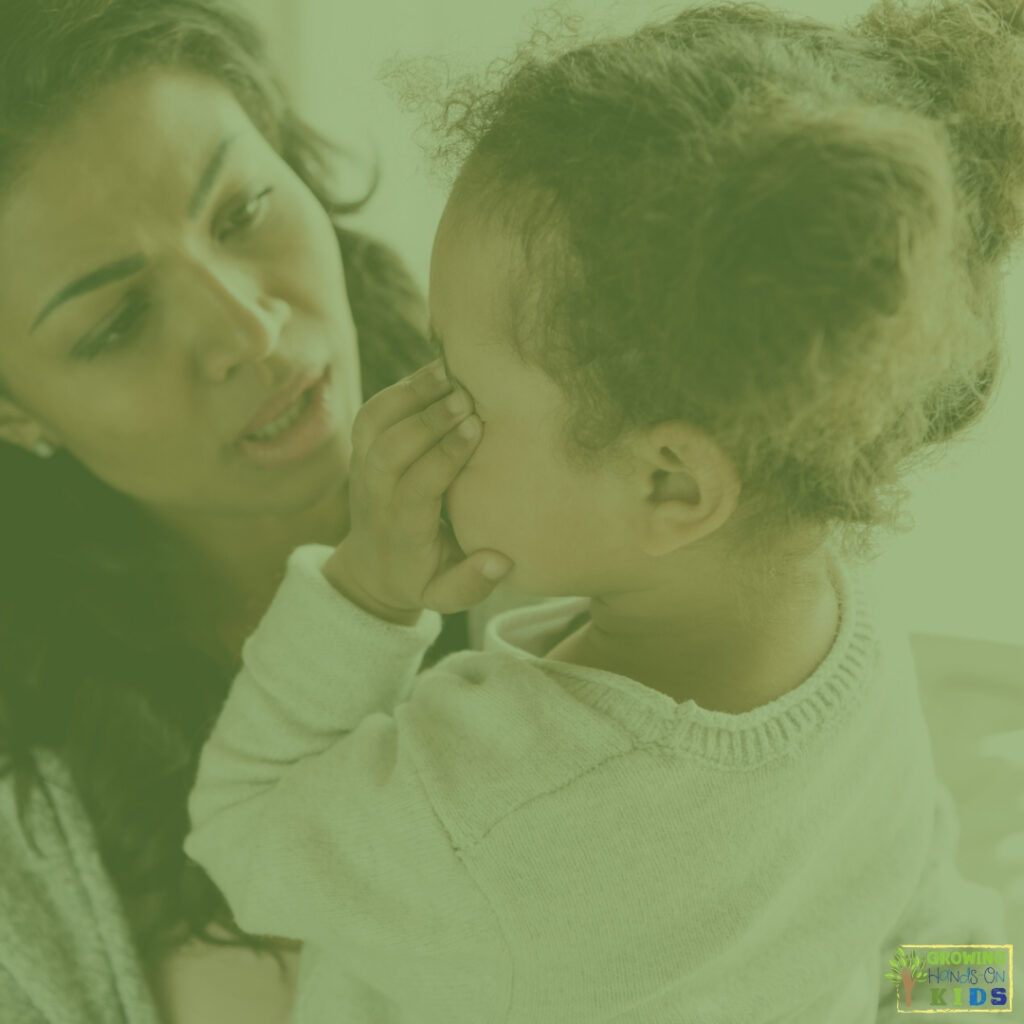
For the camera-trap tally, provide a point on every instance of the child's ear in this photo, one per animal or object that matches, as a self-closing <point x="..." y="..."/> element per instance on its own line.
<point x="690" y="487"/>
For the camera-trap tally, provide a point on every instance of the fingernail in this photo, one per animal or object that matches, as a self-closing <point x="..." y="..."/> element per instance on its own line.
<point x="495" y="568"/>
<point x="439" y="371"/>
<point x="458" y="402"/>
<point x="469" y="428"/>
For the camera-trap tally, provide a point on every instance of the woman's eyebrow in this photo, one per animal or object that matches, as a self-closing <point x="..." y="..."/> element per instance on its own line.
<point x="133" y="264"/>
<point x="209" y="177"/>
<point x="89" y="282"/>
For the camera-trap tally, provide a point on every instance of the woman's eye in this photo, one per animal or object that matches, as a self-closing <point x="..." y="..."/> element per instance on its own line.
<point x="245" y="216"/>
<point x="115" y="332"/>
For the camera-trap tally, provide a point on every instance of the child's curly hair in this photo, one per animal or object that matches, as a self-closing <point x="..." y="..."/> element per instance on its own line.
<point x="786" y="234"/>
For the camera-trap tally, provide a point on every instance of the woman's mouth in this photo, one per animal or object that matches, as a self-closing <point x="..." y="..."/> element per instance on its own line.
<point x="298" y="431"/>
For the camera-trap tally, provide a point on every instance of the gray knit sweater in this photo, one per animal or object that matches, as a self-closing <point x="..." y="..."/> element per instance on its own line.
<point x="66" y="954"/>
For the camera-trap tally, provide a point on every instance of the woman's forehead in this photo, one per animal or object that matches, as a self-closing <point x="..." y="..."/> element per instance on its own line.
<point x="133" y="156"/>
<point x="145" y="129"/>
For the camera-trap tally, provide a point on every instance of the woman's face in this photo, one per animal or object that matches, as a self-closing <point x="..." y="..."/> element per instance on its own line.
<point x="163" y="275"/>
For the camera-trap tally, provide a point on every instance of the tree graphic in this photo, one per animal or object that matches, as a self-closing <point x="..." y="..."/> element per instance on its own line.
<point x="907" y="968"/>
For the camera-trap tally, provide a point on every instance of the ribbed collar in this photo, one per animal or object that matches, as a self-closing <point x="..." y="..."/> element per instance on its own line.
<point x="731" y="740"/>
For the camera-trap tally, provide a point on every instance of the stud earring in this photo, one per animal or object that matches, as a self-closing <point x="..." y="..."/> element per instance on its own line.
<point x="44" y="449"/>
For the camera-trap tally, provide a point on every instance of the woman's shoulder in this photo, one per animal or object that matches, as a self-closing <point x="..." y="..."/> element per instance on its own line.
<point x="65" y="946"/>
<point x="41" y="822"/>
<point x="41" y="815"/>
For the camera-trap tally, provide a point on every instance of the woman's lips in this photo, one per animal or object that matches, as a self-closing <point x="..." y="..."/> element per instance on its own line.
<point x="279" y="403"/>
<point x="314" y="428"/>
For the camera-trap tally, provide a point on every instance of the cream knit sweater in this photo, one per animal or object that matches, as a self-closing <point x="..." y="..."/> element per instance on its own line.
<point x="507" y="839"/>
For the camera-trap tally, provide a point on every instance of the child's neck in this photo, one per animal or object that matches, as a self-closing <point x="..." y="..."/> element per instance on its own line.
<point x="697" y="643"/>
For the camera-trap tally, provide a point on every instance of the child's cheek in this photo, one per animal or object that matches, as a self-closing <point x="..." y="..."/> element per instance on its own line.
<point x="482" y="458"/>
<point x="457" y="505"/>
<point x="466" y="500"/>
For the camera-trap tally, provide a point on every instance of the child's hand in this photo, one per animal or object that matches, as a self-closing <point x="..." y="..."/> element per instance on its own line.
<point x="399" y="557"/>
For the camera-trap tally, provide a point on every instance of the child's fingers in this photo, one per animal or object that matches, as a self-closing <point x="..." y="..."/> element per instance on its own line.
<point x="397" y="403"/>
<point x="399" y="450"/>
<point x="419" y="493"/>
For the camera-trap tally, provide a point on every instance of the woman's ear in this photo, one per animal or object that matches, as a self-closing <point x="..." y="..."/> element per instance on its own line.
<point x="17" y="427"/>
<point x="690" y="486"/>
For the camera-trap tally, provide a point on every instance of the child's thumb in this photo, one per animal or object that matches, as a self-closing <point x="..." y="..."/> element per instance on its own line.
<point x="468" y="582"/>
<point x="494" y="568"/>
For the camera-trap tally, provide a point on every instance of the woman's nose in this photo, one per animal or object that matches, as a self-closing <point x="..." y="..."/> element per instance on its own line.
<point x="242" y="322"/>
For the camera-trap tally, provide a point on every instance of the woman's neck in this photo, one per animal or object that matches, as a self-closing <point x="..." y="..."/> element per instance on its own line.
<point x="232" y="567"/>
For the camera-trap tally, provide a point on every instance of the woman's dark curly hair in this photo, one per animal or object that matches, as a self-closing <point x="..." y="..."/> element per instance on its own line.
<point x="93" y="663"/>
<point x="787" y="234"/>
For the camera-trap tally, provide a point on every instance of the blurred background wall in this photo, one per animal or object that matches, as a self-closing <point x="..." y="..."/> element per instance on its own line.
<point x="959" y="573"/>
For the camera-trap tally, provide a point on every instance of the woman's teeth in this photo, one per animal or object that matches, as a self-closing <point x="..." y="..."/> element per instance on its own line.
<point x="285" y="420"/>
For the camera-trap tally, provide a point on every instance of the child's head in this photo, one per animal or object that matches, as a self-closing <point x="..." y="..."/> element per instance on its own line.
<point x="581" y="523"/>
<point x="724" y="281"/>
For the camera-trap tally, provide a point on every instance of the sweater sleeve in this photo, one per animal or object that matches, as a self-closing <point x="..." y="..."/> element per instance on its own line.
<point x="16" y="1004"/>
<point x="308" y="810"/>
